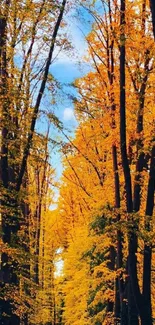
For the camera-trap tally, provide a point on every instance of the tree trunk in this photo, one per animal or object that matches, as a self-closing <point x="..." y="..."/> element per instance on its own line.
<point x="152" y="5"/>
<point x="132" y="260"/>
<point x="147" y="245"/>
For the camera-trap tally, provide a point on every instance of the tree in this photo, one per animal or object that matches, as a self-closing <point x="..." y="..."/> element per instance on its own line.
<point x="15" y="30"/>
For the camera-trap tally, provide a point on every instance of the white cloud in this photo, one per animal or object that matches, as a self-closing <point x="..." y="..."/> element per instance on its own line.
<point x="68" y="114"/>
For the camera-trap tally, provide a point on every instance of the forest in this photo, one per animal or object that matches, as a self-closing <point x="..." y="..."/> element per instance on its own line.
<point x="78" y="248"/>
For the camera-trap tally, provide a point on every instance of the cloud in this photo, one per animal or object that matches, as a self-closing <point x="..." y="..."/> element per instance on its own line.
<point x="68" y="114"/>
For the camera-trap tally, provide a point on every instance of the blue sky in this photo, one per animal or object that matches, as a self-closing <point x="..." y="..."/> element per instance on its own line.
<point x="66" y="68"/>
<point x="70" y="65"/>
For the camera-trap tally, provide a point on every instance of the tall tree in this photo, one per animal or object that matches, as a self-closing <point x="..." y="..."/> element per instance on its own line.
<point x="12" y="172"/>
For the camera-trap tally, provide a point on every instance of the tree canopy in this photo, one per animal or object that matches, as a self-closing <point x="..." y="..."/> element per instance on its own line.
<point x="78" y="250"/>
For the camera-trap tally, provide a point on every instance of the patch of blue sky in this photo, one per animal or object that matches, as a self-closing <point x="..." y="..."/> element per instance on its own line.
<point x="66" y="68"/>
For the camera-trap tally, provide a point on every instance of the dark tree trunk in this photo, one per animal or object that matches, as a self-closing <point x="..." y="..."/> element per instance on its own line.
<point x="111" y="266"/>
<point x="152" y="5"/>
<point x="136" y="301"/>
<point x="132" y="260"/>
<point x="119" y="258"/>
<point x="125" y="162"/>
<point x="147" y="245"/>
<point x="119" y="255"/>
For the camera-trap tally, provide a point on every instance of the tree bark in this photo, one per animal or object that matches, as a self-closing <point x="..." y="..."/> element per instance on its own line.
<point x="132" y="260"/>
<point x="147" y="244"/>
<point x="152" y="6"/>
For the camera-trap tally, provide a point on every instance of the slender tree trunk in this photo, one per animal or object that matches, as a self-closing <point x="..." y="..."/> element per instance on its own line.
<point x="152" y="5"/>
<point x="43" y="251"/>
<point x="25" y="243"/>
<point x="132" y="259"/>
<point x="119" y="305"/>
<point x="119" y="256"/>
<point x="111" y="266"/>
<point x="147" y="245"/>
<point x="38" y="223"/>
<point x="148" y="220"/>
